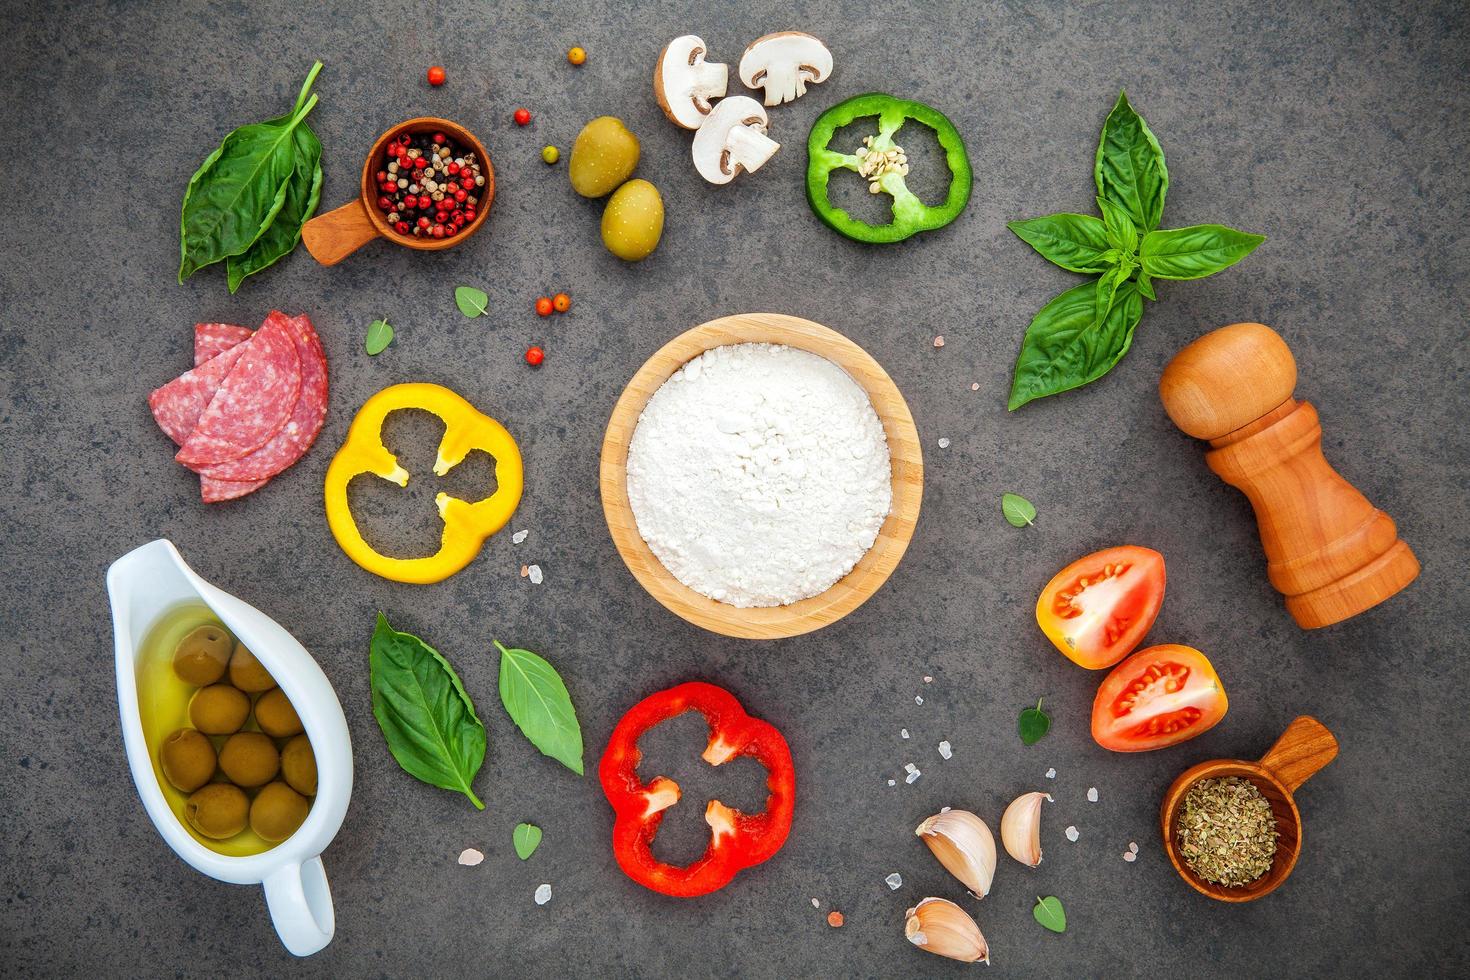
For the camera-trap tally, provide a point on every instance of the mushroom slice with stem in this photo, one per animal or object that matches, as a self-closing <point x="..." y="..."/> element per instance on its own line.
<point x="733" y="138"/>
<point x="783" y="63"/>
<point x="685" y="84"/>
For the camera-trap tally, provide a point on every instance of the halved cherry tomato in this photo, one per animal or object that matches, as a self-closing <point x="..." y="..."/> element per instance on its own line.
<point x="1097" y="609"/>
<point x="1157" y="697"/>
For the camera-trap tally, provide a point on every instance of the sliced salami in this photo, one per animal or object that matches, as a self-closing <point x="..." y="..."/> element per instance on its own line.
<point x="218" y="491"/>
<point x="252" y="405"/>
<point x="213" y="339"/>
<point x="178" y="405"/>
<point x="300" y="431"/>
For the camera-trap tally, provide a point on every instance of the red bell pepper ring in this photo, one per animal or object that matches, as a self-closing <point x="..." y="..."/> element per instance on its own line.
<point x="737" y="840"/>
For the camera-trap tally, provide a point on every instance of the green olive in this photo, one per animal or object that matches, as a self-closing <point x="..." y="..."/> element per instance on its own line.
<point x="633" y="220"/>
<point x="201" y="657"/>
<point x="275" y="716"/>
<point x="247" y="674"/>
<point x="219" y="810"/>
<point x="219" y="709"/>
<point x="298" y="765"/>
<point x="277" y="811"/>
<point x="603" y="156"/>
<point x="187" y="758"/>
<point x="249" y="759"/>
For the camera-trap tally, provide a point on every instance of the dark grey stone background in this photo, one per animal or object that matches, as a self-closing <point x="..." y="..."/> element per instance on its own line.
<point x="1338" y="129"/>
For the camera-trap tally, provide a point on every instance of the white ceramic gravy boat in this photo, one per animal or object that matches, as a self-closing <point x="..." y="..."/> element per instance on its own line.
<point x="143" y="586"/>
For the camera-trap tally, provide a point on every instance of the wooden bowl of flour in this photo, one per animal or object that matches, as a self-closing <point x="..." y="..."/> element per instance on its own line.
<point x="871" y="571"/>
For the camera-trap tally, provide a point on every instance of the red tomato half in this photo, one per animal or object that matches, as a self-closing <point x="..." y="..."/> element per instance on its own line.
<point x="1097" y="609"/>
<point x="1157" y="697"/>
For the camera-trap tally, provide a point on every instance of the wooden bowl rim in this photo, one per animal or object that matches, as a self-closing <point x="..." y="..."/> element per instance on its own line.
<point x="368" y="188"/>
<point x="871" y="571"/>
<point x="1257" y="773"/>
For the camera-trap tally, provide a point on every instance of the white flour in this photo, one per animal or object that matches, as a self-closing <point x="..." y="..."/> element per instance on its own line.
<point x="759" y="474"/>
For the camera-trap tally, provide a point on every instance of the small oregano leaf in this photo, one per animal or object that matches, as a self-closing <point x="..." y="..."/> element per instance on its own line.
<point x="1017" y="509"/>
<point x="1033" y="724"/>
<point x="1049" y="913"/>
<point x="472" y="302"/>
<point x="527" y="838"/>
<point x="379" y="336"/>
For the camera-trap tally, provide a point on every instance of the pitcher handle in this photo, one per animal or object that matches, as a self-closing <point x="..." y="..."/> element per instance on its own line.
<point x="300" y="905"/>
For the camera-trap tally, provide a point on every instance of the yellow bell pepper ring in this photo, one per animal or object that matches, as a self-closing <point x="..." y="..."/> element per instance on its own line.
<point x="466" y="525"/>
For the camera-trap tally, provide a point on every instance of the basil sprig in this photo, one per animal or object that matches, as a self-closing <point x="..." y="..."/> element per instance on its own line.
<point x="537" y="701"/>
<point x="1081" y="334"/>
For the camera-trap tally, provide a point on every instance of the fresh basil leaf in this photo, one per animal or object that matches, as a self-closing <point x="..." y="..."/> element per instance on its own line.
<point x="537" y="701"/>
<point x="1017" y="509"/>
<point x="1122" y="233"/>
<point x="527" y="838"/>
<point x="1033" y="724"/>
<point x="1076" y="242"/>
<point x="427" y="719"/>
<point x="1196" y="251"/>
<point x="1049" y="913"/>
<point x="1065" y="347"/>
<point x="1146" y="286"/>
<point x="1108" y="285"/>
<point x="472" y="302"/>
<point x="303" y="193"/>
<point x="379" y="336"/>
<point x="1129" y="169"/>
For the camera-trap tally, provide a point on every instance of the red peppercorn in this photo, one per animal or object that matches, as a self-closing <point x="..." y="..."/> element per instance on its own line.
<point x="423" y="222"/>
<point x="438" y="231"/>
<point x="404" y="162"/>
<point x="561" y="302"/>
<point x="420" y="163"/>
<point x="469" y="214"/>
<point x="382" y="176"/>
<point x="452" y="168"/>
<point x="534" y="356"/>
<point x="401" y="227"/>
<point x="440" y="138"/>
<point x="425" y="202"/>
<point x="543" y="307"/>
<point x="522" y="117"/>
<point x="460" y="195"/>
<point x="451" y="230"/>
<point x="385" y="204"/>
<point x="436" y="76"/>
<point x="467" y="182"/>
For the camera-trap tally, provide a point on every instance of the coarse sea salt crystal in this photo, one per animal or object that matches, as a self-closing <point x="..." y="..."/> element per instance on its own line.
<point x="943" y="443"/>
<point x="918" y="699"/>
<point x="944" y="749"/>
<point x="518" y="537"/>
<point x="1051" y="774"/>
<point x="939" y="341"/>
<point x="1072" y="834"/>
<point x="469" y="857"/>
<point x="975" y="386"/>
<point x="894" y="881"/>
<point x="912" y="776"/>
<point x="535" y="572"/>
<point x="903" y="733"/>
<point x="1133" y="847"/>
<point x="928" y="679"/>
<point x="1129" y="856"/>
<point x="910" y="767"/>
<point x="1092" y="794"/>
<point x="893" y="782"/>
<point x="816" y="904"/>
<point x="543" y="894"/>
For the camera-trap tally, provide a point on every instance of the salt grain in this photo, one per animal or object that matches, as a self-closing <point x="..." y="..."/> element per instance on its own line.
<point x="469" y="857"/>
<point x="910" y="767"/>
<point x="911" y="777"/>
<point x="816" y="904"/>
<point x="1051" y="774"/>
<point x="518" y="537"/>
<point x="943" y="443"/>
<point x="1133" y="847"/>
<point x="975" y="386"/>
<point x="918" y="699"/>
<point x="1072" y="834"/>
<point x="1129" y="856"/>
<point x="535" y="573"/>
<point x="894" y="881"/>
<point x="928" y="679"/>
<point x="543" y="894"/>
<point x="525" y="571"/>
<point x="903" y="733"/>
<point x="1092" y="794"/>
<point x="944" y="750"/>
<point x="893" y="782"/>
<point x="939" y="341"/>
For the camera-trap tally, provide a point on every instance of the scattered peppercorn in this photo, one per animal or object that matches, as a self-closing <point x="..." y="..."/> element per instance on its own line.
<point x="576" y="56"/>
<point x="428" y="186"/>
<point x="550" y="154"/>
<point x="561" y="302"/>
<point x="534" y="356"/>
<point x="436" y="76"/>
<point x="543" y="306"/>
<point x="835" y="920"/>
<point x="522" y="117"/>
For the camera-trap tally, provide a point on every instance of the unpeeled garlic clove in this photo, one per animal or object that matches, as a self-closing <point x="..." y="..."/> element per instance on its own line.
<point x="940" y="926"/>
<point x="1020" y="828"/>
<point x="964" y="845"/>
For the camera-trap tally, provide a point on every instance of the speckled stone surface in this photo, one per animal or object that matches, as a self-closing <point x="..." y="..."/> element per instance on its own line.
<point x="1339" y="130"/>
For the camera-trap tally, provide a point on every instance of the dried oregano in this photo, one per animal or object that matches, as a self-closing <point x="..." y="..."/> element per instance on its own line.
<point x="1226" y="831"/>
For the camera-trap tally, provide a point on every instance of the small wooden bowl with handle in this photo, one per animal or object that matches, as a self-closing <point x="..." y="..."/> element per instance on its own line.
<point x="333" y="236"/>
<point x="1302" y="749"/>
<point x="871" y="571"/>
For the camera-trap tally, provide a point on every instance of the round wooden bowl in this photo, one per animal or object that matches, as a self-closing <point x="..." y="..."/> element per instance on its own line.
<point x="1302" y="749"/>
<point x="772" y="622"/>
<point x="333" y="236"/>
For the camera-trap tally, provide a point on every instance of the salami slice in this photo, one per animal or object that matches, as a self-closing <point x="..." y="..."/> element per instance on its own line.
<point x="218" y="491"/>
<point x="252" y="405"/>
<point x="300" y="431"/>
<point x="213" y="339"/>
<point x="178" y="405"/>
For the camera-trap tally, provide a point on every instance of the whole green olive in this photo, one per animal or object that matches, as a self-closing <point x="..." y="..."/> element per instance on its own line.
<point x="201" y="657"/>
<point x="633" y="221"/>
<point x="298" y="765"/>
<point x="603" y="156"/>
<point x="277" y="811"/>
<point x="249" y="759"/>
<point x="247" y="674"/>
<point x="218" y="810"/>
<point x="187" y="758"/>
<point x="218" y="709"/>
<point x="275" y="716"/>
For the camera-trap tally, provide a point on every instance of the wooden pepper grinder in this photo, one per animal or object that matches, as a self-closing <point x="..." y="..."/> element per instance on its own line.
<point x="1328" y="550"/>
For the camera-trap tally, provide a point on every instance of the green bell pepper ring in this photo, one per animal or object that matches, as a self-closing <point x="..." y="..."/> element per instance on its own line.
<point x="875" y="163"/>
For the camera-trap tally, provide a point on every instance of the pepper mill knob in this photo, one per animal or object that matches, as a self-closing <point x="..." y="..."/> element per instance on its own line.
<point x="1328" y="550"/>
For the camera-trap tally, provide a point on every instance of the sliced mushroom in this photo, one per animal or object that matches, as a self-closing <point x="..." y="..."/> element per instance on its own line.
<point x="731" y="139"/>
<point x="685" y="84"/>
<point x="783" y="63"/>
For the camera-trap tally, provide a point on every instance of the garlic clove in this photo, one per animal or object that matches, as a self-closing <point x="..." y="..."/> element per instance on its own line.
<point x="964" y="845"/>
<point x="1020" y="828"/>
<point x="942" y="927"/>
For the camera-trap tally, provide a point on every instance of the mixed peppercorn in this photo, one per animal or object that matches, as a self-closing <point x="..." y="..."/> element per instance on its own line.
<point x="429" y="187"/>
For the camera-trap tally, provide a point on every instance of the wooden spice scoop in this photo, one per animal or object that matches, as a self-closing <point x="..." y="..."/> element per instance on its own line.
<point x="1302" y="749"/>
<point x="333" y="236"/>
<point x="1328" y="550"/>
